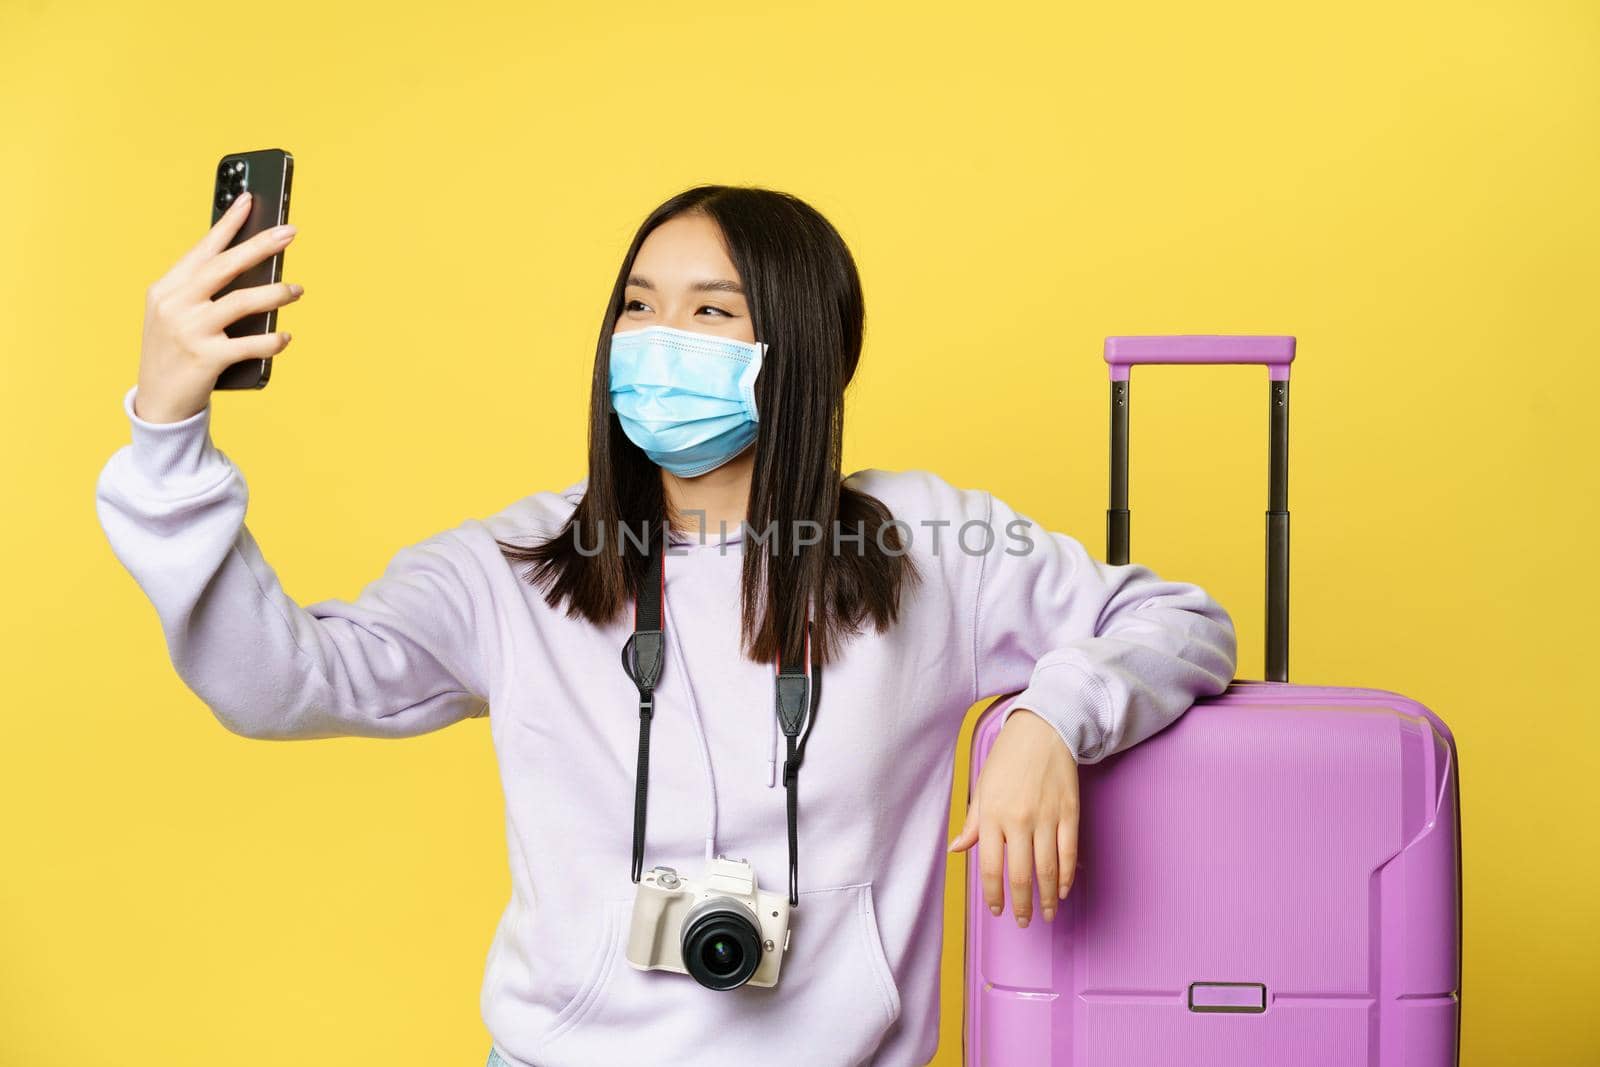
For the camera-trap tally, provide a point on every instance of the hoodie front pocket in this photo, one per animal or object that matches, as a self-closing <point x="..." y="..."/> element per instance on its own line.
<point x="608" y="954"/>
<point x="835" y="998"/>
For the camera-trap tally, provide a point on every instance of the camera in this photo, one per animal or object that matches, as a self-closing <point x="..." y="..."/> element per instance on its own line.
<point x="231" y="181"/>
<point x="722" y="931"/>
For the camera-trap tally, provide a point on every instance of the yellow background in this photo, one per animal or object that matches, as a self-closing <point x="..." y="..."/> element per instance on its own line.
<point x="1410" y="189"/>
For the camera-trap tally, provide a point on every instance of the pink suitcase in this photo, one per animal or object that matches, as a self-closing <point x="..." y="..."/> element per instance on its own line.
<point x="1272" y="881"/>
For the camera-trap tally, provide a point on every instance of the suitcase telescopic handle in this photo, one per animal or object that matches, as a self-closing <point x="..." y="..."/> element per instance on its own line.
<point x="1276" y="353"/>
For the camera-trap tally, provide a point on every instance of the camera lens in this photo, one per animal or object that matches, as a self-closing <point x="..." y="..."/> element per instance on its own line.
<point x="721" y="955"/>
<point x="721" y="944"/>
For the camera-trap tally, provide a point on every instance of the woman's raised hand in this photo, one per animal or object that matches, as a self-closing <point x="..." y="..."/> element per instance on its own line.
<point x="1026" y="800"/>
<point x="185" y="346"/>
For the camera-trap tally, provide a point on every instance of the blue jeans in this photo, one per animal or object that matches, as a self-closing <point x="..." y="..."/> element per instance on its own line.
<point x="495" y="1060"/>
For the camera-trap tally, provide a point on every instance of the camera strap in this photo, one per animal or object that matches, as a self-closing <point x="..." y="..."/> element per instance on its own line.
<point x="797" y="695"/>
<point x="641" y="658"/>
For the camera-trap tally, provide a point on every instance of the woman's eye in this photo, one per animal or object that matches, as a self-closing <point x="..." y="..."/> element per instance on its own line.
<point x="639" y="305"/>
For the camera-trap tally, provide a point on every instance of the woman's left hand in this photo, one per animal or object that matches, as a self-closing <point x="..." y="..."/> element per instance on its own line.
<point x="1026" y="798"/>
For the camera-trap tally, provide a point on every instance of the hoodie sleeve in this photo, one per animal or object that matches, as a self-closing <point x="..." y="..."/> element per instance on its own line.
<point x="399" y="660"/>
<point x="1108" y="655"/>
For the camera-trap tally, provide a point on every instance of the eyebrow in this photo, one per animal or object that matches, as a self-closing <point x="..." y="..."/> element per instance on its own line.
<point x="713" y="285"/>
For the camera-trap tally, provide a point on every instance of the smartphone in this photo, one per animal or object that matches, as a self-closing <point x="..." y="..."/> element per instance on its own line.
<point x="267" y="174"/>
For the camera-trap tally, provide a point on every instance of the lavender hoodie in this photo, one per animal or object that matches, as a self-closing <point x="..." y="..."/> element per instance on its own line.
<point x="1107" y="655"/>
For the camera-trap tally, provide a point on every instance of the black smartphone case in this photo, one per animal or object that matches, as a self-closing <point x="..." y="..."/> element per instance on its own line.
<point x="268" y="175"/>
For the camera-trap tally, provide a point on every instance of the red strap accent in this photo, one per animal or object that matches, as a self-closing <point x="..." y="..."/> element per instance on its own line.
<point x="777" y="661"/>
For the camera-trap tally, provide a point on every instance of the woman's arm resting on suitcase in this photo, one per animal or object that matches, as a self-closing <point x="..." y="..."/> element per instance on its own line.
<point x="1030" y="801"/>
<point x="1105" y="657"/>
<point x="402" y="659"/>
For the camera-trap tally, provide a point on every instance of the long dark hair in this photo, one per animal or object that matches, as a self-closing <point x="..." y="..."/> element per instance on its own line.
<point x="805" y="302"/>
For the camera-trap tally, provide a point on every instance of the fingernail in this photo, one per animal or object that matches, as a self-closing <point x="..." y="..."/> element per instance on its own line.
<point x="243" y="197"/>
<point x="1061" y="894"/>
<point x="284" y="231"/>
<point x="1049" y="913"/>
<point x="1021" y="921"/>
<point x="296" y="290"/>
<point x="994" y="909"/>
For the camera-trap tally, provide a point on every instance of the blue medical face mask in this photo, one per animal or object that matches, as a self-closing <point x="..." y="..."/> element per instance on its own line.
<point x="688" y="399"/>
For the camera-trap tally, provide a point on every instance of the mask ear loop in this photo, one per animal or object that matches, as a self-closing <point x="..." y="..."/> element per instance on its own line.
<point x="747" y="383"/>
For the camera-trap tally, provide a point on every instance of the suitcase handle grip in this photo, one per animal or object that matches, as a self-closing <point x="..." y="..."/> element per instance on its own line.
<point x="1274" y="352"/>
